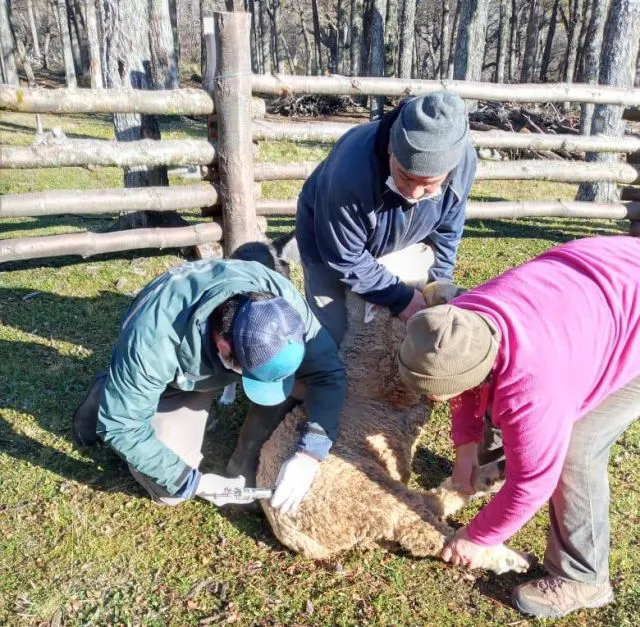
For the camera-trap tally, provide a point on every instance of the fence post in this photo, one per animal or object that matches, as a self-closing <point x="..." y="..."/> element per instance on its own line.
<point x="230" y="64"/>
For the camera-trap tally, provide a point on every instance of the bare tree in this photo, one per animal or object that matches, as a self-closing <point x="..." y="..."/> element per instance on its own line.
<point x="452" y="46"/>
<point x="277" y="49"/>
<point x="95" y="65"/>
<point x="376" y="66"/>
<point x="316" y="35"/>
<point x="513" y="42"/>
<point x="573" y="33"/>
<point x="531" y="45"/>
<point x="127" y="63"/>
<point x="67" y="53"/>
<point x="265" y="37"/>
<point x="470" y="43"/>
<point x="407" y="30"/>
<point x="8" y="57"/>
<point x="357" y="14"/>
<point x="164" y="63"/>
<point x="548" y="47"/>
<point x="444" y="39"/>
<point x="309" y="69"/>
<point x="34" y="30"/>
<point x="503" y="40"/>
<point x="590" y="66"/>
<point x="341" y="37"/>
<point x="390" y="37"/>
<point x="619" y="54"/>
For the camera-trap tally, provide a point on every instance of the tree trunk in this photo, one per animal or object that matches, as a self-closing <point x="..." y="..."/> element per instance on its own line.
<point x="357" y="10"/>
<point x="164" y="65"/>
<point x="8" y="57"/>
<point x="444" y="39"/>
<point x="94" y="46"/>
<point x="453" y="38"/>
<point x="407" y="32"/>
<point x="34" y="30"/>
<point x="546" y="56"/>
<point x="74" y="38"/>
<point x="619" y="54"/>
<point x="572" y="40"/>
<point x="531" y="45"/>
<point x="376" y="66"/>
<point x="278" y="49"/>
<point x="127" y="64"/>
<point x="365" y="50"/>
<point x="585" y="19"/>
<point x="503" y="40"/>
<point x="470" y="44"/>
<point x="206" y="12"/>
<point x="65" y="37"/>
<point x="255" y="56"/>
<point x="309" y="69"/>
<point x="513" y="43"/>
<point x="390" y="37"/>
<point x="341" y="39"/>
<point x="316" y="36"/>
<point x="265" y="39"/>
<point x="591" y="58"/>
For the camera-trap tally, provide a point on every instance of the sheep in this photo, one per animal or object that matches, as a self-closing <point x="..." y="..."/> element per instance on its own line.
<point x="359" y="497"/>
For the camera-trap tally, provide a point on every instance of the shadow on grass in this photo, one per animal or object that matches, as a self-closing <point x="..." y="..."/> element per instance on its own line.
<point x="552" y="230"/>
<point x="13" y="127"/>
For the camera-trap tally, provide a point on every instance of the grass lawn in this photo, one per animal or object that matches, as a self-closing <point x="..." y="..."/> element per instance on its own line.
<point x="80" y="543"/>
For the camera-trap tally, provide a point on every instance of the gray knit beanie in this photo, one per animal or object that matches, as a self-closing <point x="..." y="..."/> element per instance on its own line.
<point x="428" y="137"/>
<point x="447" y="350"/>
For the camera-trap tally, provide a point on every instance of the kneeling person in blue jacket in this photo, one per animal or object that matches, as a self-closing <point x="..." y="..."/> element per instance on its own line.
<point x="398" y="184"/>
<point x="191" y="332"/>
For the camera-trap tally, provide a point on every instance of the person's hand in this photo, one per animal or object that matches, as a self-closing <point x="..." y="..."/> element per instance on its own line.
<point x="294" y="480"/>
<point x="219" y="490"/>
<point x="465" y="466"/>
<point x="417" y="303"/>
<point x="463" y="552"/>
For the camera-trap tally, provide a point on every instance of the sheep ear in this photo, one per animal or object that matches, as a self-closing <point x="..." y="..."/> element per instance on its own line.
<point x="441" y="292"/>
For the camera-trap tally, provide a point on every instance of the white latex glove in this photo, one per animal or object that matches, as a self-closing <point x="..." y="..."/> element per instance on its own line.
<point x="219" y="490"/>
<point x="293" y="482"/>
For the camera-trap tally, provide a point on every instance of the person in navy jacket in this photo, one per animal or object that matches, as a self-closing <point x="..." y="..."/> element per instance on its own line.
<point x="397" y="183"/>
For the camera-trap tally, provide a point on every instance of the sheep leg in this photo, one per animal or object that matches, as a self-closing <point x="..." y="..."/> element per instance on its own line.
<point x="487" y="480"/>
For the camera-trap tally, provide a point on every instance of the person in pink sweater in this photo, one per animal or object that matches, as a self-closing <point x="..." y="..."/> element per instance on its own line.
<point x="550" y="352"/>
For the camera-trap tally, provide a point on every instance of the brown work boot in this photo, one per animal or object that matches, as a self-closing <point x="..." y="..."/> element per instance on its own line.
<point x="553" y="597"/>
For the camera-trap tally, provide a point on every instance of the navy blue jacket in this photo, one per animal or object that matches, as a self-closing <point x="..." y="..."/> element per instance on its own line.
<point x="347" y="216"/>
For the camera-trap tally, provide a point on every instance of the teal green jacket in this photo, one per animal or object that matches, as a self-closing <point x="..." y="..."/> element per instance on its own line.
<point x="163" y="343"/>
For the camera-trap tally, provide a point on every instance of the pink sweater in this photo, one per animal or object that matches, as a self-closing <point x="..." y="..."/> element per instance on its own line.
<point x="570" y="327"/>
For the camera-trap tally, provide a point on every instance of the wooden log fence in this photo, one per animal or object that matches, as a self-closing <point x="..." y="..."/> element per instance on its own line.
<point x="64" y="152"/>
<point x="187" y="101"/>
<point x="88" y="244"/>
<point x="234" y="117"/>
<point x="374" y="86"/>
<point x="96" y="201"/>
<point x="503" y="209"/>
<point x="561" y="171"/>
<point x="329" y="132"/>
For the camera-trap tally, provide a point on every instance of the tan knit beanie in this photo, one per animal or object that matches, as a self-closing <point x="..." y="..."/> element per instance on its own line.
<point x="447" y="350"/>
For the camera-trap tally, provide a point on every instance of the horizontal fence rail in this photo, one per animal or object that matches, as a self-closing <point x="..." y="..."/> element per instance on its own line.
<point x="330" y="132"/>
<point x="503" y="209"/>
<point x="562" y="171"/>
<point x="375" y="86"/>
<point x="87" y="244"/>
<point x="64" y="152"/>
<point x="183" y="101"/>
<point x="81" y="201"/>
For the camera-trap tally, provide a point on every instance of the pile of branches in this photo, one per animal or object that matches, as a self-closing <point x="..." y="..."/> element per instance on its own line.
<point x="310" y="105"/>
<point x="547" y="118"/>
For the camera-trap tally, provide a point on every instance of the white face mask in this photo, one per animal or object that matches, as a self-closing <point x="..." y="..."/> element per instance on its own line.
<point x="391" y="184"/>
<point x="228" y="364"/>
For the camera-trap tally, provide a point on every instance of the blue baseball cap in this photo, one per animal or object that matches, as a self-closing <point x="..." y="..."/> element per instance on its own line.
<point x="268" y="343"/>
